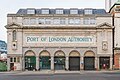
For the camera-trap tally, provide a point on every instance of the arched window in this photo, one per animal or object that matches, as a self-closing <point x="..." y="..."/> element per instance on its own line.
<point x="14" y="35"/>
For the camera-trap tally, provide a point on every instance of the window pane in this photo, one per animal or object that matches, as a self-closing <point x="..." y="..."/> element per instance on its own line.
<point x="14" y="35"/>
<point x="14" y="59"/>
<point x="11" y="59"/>
<point x="77" y="21"/>
<point x="32" y="21"/>
<point x="45" y="11"/>
<point x="92" y="21"/>
<point x="48" y="21"/>
<point x="62" y="21"/>
<point x="86" y="21"/>
<point x="30" y="11"/>
<point x="89" y="21"/>
<point x="59" y="11"/>
<point x="26" y="21"/>
<point x="88" y="11"/>
<point x="41" y="21"/>
<point x="56" y="21"/>
<point x="18" y="59"/>
<point x="73" y="11"/>
<point x="71" y="21"/>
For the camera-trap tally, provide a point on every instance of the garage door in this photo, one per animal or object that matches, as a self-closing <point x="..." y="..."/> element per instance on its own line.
<point x="74" y="63"/>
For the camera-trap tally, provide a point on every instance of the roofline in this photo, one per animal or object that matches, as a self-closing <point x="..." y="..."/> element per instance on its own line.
<point x="113" y="6"/>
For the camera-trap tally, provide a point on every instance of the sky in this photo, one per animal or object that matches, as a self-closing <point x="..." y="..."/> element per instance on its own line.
<point x="12" y="6"/>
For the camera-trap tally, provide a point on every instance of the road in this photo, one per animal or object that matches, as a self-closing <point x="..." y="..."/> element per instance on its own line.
<point x="63" y="76"/>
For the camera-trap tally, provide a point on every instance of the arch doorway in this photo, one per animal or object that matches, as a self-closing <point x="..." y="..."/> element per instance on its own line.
<point x="74" y="60"/>
<point x="59" y="60"/>
<point x="30" y="60"/>
<point x="45" y="61"/>
<point x="89" y="60"/>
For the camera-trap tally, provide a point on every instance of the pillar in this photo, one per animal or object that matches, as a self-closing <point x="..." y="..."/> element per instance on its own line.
<point x="111" y="63"/>
<point x="96" y="63"/>
<point x="98" y="60"/>
<point x="81" y="63"/>
<point x="52" y="63"/>
<point x="8" y="64"/>
<point x="67" y="63"/>
<point x="37" y="62"/>
<point x="23" y="63"/>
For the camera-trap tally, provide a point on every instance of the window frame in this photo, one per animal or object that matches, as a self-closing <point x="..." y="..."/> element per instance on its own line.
<point x="30" y="11"/>
<point x="14" y="35"/>
<point x="88" y="11"/>
<point x="59" y="11"/>
<point x="45" y="11"/>
<point x="73" y="11"/>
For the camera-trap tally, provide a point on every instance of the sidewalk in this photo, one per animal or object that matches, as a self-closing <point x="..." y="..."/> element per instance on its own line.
<point x="55" y="72"/>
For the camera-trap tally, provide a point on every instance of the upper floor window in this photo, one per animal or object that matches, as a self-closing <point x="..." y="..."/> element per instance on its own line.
<point x="62" y="21"/>
<point x="92" y="21"/>
<point x="41" y="21"/>
<point x="14" y="35"/>
<point x="26" y="21"/>
<point x="32" y="21"/>
<point x="88" y="11"/>
<point x="59" y="11"/>
<point x="74" y="21"/>
<point x="73" y="11"/>
<point x="45" y="11"/>
<point x="30" y="11"/>
<point x="89" y="21"/>
<point x="56" y="21"/>
<point x="48" y="21"/>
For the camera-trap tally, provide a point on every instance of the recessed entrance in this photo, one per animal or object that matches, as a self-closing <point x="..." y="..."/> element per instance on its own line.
<point x="45" y="61"/>
<point x="89" y="61"/>
<point x="30" y="60"/>
<point x="74" y="61"/>
<point x="11" y="66"/>
<point x="59" y="60"/>
<point x="104" y="62"/>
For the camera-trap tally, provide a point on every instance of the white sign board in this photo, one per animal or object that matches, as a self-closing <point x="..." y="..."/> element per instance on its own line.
<point x="60" y="39"/>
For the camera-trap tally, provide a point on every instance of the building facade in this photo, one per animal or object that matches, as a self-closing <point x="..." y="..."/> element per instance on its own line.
<point x="60" y="39"/>
<point x="115" y="12"/>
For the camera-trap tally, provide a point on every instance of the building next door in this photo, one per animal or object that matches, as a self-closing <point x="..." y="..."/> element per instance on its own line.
<point x="45" y="61"/>
<point x="104" y="62"/>
<point x="89" y="61"/>
<point x="74" y="61"/>
<point x="30" y="61"/>
<point x="59" y="60"/>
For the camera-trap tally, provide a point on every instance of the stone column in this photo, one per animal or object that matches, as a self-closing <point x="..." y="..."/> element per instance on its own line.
<point x="81" y="63"/>
<point x="8" y="64"/>
<point x="67" y="63"/>
<point x="96" y="63"/>
<point x="37" y="62"/>
<point x="23" y="63"/>
<point x="111" y="63"/>
<point x="52" y="63"/>
<point x="98" y="60"/>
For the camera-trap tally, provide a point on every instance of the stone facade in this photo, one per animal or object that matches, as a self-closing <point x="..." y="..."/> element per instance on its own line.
<point x="115" y="12"/>
<point x="65" y="43"/>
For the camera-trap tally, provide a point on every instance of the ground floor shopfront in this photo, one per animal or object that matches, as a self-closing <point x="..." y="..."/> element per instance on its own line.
<point x="74" y="61"/>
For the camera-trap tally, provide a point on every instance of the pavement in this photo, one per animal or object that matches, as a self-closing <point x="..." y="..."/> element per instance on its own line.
<point x="55" y="72"/>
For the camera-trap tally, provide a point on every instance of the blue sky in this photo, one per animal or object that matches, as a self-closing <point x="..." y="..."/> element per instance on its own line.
<point x="12" y="6"/>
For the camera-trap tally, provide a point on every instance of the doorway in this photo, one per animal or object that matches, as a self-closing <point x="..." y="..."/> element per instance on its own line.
<point x="104" y="62"/>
